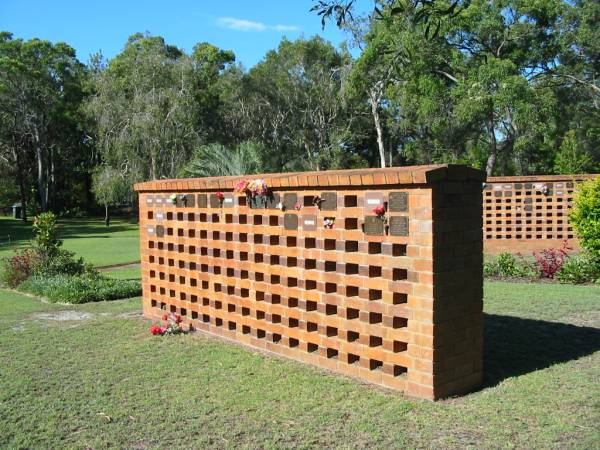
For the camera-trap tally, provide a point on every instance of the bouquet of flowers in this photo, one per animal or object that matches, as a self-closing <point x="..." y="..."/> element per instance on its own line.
<point x="379" y="211"/>
<point x="171" y="325"/>
<point x="329" y="222"/>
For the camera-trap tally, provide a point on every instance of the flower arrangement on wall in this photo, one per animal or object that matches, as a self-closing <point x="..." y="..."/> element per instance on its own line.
<point x="256" y="191"/>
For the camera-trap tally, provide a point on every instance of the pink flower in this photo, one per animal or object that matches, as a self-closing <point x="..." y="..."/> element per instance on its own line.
<point x="297" y="206"/>
<point x="241" y="187"/>
<point x="379" y="210"/>
<point x="220" y="196"/>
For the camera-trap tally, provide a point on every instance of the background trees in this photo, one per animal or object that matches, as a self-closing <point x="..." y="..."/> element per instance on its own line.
<point x="510" y="86"/>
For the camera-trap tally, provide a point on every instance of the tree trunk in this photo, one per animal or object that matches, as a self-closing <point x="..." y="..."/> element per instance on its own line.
<point x="106" y="215"/>
<point x="377" y="119"/>
<point x="22" y="188"/>
<point x="491" y="161"/>
<point x="41" y="185"/>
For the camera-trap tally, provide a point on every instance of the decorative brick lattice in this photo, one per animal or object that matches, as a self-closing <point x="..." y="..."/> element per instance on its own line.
<point x="397" y="303"/>
<point x="528" y="213"/>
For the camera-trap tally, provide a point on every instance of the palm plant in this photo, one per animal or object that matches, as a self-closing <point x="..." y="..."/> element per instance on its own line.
<point x="217" y="160"/>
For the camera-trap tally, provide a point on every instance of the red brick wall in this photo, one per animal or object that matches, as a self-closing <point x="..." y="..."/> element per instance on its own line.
<point x="402" y="309"/>
<point x="523" y="214"/>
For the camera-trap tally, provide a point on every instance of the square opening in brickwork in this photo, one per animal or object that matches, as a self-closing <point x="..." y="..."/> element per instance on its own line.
<point x="400" y="346"/>
<point x="375" y="364"/>
<point x="194" y="315"/>
<point x="292" y="282"/>
<point x="216" y="269"/>
<point x="351" y="223"/>
<point x="257" y="220"/>
<point x="275" y="299"/>
<point x="229" y="236"/>
<point x="244" y="292"/>
<point x="292" y="323"/>
<point x="243" y="237"/>
<point x="310" y="264"/>
<point x="274" y="259"/>
<point x="292" y="261"/>
<point x="230" y="272"/>
<point x="179" y="216"/>
<point x="329" y="244"/>
<point x="374" y="248"/>
<point x="150" y="215"/>
<point x="375" y="317"/>
<point x="180" y="232"/>
<point x="310" y="285"/>
<point x="202" y="217"/>
<point x="330" y="266"/>
<point x="231" y="307"/>
<point x="242" y="219"/>
<point x="173" y="295"/>
<point x="219" y="322"/>
<point x="274" y="240"/>
<point x="150" y="244"/>
<point x="275" y="279"/>
<point x="258" y="238"/>
<point x="352" y="269"/>
<point x="351" y="246"/>
<point x="205" y="301"/>
<point x="193" y="282"/>
<point x="292" y="302"/>
<point x="204" y="268"/>
<point x="205" y="318"/>
<point x="331" y="331"/>
<point x="171" y="278"/>
<point x="353" y="359"/>
<point x="231" y="325"/>
<point x="229" y="254"/>
<point x="245" y="311"/>
<point x="308" y="200"/>
<point x="260" y="296"/>
<point x="216" y="235"/>
<point x="170" y="233"/>
<point x="191" y="233"/>
<point x="215" y="218"/>
<point x="311" y="347"/>
<point x="399" y="274"/>
<point x="191" y="217"/>
<point x="352" y="313"/>
<point x="310" y="243"/>
<point x="228" y="218"/>
<point x="260" y="315"/>
<point x="332" y="353"/>
<point x="375" y="341"/>
<point x="330" y="310"/>
<point x="260" y="333"/>
<point x="375" y="294"/>
<point x="399" y="370"/>
<point x="273" y="221"/>
<point x="351" y="291"/>
<point x="350" y="201"/>
<point x="169" y="216"/>
<point x="311" y="305"/>
<point x="276" y="337"/>
<point x="258" y="257"/>
<point x="193" y="298"/>
<point x="152" y="274"/>
<point x="246" y="329"/>
<point x="398" y="249"/>
<point x="218" y="304"/>
<point x="399" y="322"/>
<point x="294" y="342"/>
<point x="374" y="271"/>
<point x="276" y="318"/>
<point x="311" y="327"/>
<point x="243" y="256"/>
<point x="330" y="288"/>
<point x="153" y="303"/>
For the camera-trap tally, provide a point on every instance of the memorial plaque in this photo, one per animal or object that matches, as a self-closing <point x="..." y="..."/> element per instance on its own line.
<point x="569" y="184"/>
<point x="158" y="200"/>
<point x="373" y="226"/>
<point x="149" y="200"/>
<point x="273" y="200"/>
<point x="202" y="201"/>
<point x="190" y="200"/>
<point x="328" y="201"/>
<point x="290" y="221"/>
<point x="399" y="226"/>
<point x="373" y="200"/>
<point x="160" y="216"/>
<point x="309" y="223"/>
<point x="289" y="200"/>
<point x="214" y="201"/>
<point x="160" y="230"/>
<point x="150" y="229"/>
<point x="518" y="185"/>
<point x="398" y="202"/>
<point x="228" y="201"/>
<point x="180" y="201"/>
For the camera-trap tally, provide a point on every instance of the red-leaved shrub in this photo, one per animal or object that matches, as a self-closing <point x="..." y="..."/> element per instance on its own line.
<point x="551" y="260"/>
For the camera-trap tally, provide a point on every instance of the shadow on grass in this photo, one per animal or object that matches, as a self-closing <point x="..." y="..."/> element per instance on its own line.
<point x="515" y="346"/>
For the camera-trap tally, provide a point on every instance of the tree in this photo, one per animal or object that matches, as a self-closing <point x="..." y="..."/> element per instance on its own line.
<point x="216" y="160"/>
<point x="570" y="159"/>
<point x="110" y="188"/>
<point x="41" y="89"/>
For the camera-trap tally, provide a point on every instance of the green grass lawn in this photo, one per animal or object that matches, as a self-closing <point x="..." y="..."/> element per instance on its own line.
<point x="89" y="238"/>
<point x="104" y="381"/>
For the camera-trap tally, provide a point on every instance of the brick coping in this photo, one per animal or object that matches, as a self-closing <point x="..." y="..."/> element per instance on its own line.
<point x="356" y="177"/>
<point x="533" y="178"/>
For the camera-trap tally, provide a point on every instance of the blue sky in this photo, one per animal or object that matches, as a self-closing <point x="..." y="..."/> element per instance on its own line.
<point x="250" y="28"/>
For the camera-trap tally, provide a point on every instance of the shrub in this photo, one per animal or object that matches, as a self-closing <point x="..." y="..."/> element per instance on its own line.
<point x="580" y="269"/>
<point x="507" y="265"/>
<point x="585" y="215"/>
<point x="46" y="233"/>
<point x="551" y="260"/>
<point x="81" y="288"/>
<point x="62" y="262"/>
<point x="17" y="268"/>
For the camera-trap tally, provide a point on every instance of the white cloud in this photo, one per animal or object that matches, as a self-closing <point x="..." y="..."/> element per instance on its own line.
<point x="286" y="28"/>
<point x="240" y="24"/>
<point x="248" y="25"/>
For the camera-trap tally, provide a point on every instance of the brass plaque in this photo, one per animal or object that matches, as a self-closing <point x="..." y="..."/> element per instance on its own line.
<point x="160" y="230"/>
<point x="228" y="201"/>
<point x="373" y="226"/>
<point x="190" y="200"/>
<point x="273" y="200"/>
<point x="328" y="201"/>
<point x="398" y="202"/>
<point x="309" y="223"/>
<point x="202" y="201"/>
<point x="180" y="201"/>
<point x="289" y="200"/>
<point x="399" y="226"/>
<point x="290" y="221"/>
<point x="214" y="201"/>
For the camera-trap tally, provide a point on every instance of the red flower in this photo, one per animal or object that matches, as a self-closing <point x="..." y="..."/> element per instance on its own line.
<point x="156" y="330"/>
<point x="379" y="210"/>
<point x="220" y="196"/>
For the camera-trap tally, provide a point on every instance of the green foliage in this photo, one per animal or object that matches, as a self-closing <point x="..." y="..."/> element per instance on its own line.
<point x="570" y="159"/>
<point x="585" y="215"/>
<point x="80" y="288"/>
<point x="508" y="265"/>
<point x="16" y="269"/>
<point x="217" y="160"/>
<point x="110" y="186"/>
<point x="61" y="262"/>
<point x="578" y="269"/>
<point x="46" y="233"/>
